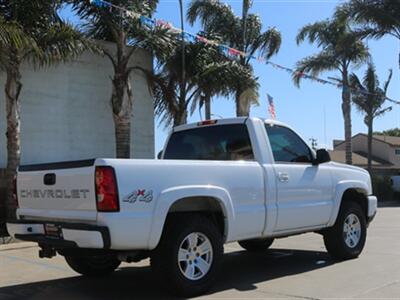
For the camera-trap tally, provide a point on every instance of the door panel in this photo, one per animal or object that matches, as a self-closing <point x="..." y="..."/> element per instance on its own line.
<point x="304" y="190"/>
<point x="304" y="195"/>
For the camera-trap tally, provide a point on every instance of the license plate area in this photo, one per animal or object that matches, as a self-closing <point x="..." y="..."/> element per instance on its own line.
<point x="53" y="231"/>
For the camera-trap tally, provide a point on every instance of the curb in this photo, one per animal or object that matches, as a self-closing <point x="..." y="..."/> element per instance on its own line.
<point x="17" y="246"/>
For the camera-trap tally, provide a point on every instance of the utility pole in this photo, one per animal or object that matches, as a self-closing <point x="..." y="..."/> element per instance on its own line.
<point x="245" y="12"/>
<point x="182" y="96"/>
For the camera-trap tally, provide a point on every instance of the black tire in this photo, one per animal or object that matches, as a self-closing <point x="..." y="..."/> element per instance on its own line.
<point x="93" y="266"/>
<point x="256" y="245"/>
<point x="165" y="262"/>
<point x="335" y="237"/>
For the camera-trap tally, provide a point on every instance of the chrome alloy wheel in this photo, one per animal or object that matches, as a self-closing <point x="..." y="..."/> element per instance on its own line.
<point x="352" y="230"/>
<point x="195" y="256"/>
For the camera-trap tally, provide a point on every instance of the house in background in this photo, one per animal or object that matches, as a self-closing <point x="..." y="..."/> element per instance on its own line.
<point x="385" y="153"/>
<point x="66" y="112"/>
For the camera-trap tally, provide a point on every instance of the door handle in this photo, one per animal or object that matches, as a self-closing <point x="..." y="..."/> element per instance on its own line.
<point x="283" y="177"/>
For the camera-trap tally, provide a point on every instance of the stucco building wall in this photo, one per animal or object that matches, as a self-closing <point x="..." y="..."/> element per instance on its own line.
<point x="66" y="111"/>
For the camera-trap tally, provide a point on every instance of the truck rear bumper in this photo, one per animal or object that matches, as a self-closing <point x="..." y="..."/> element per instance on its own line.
<point x="62" y="235"/>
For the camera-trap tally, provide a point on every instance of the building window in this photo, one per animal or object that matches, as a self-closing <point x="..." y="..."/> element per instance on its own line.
<point x="397" y="151"/>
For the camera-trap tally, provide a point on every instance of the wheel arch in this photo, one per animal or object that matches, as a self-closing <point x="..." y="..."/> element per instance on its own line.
<point x="214" y="201"/>
<point x="350" y="191"/>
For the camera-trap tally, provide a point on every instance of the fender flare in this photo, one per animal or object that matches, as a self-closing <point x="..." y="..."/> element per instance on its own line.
<point x="171" y="195"/>
<point x="340" y="189"/>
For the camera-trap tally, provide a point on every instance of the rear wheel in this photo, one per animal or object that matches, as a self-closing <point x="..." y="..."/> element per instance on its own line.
<point x="189" y="254"/>
<point x="93" y="265"/>
<point x="256" y="245"/>
<point x="346" y="239"/>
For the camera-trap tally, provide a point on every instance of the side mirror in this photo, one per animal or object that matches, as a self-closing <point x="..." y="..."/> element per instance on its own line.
<point x="323" y="156"/>
<point x="159" y="155"/>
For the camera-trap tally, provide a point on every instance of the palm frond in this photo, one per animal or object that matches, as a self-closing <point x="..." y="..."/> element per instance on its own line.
<point x="268" y="43"/>
<point x="387" y="82"/>
<point x="315" y="33"/>
<point x="382" y="15"/>
<point x="382" y="112"/>
<point x="12" y="35"/>
<point x="214" y="15"/>
<point x="367" y="95"/>
<point x="59" y="44"/>
<point x="315" y="64"/>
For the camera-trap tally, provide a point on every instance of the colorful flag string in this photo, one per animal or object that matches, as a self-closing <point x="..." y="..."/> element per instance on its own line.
<point x="229" y="52"/>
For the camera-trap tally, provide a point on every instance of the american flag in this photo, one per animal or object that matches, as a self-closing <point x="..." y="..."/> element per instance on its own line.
<point x="271" y="107"/>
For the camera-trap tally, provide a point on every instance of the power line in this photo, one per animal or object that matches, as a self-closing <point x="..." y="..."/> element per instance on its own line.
<point x="229" y="52"/>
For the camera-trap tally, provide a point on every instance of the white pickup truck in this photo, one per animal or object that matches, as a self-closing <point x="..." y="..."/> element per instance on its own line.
<point x="218" y="181"/>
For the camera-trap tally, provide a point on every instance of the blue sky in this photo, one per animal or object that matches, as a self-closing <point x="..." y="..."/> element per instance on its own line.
<point x="303" y="108"/>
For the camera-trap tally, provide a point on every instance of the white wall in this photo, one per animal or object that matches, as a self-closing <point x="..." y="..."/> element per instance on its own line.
<point x="66" y="112"/>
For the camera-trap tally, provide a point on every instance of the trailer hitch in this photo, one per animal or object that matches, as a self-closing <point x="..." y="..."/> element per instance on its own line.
<point x="46" y="251"/>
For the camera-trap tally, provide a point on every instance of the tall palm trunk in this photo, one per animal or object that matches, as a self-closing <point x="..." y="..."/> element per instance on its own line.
<point x="180" y="117"/>
<point x="122" y="103"/>
<point x="346" y="110"/>
<point x="12" y="90"/>
<point x="207" y="106"/>
<point x="370" y="131"/>
<point x="242" y="109"/>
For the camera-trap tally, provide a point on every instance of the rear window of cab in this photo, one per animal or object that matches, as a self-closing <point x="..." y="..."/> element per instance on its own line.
<point x="220" y="142"/>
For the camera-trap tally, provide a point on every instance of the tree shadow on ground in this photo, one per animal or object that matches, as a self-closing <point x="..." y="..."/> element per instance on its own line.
<point x="241" y="271"/>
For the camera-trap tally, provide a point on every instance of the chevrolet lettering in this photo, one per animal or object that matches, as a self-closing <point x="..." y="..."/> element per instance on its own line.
<point x="58" y="193"/>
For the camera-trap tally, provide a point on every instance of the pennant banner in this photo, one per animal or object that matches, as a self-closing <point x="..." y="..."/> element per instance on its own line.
<point x="229" y="52"/>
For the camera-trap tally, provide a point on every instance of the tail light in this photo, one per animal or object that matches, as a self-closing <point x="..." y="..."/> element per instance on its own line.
<point x="106" y="190"/>
<point x="14" y="191"/>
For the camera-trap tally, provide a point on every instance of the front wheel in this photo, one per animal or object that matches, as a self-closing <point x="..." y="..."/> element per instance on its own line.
<point x="346" y="239"/>
<point x="93" y="265"/>
<point x="189" y="254"/>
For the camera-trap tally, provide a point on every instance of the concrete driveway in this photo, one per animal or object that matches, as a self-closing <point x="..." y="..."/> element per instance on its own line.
<point x="296" y="267"/>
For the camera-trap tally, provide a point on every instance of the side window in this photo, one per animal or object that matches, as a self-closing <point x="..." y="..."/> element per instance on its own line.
<point x="220" y="142"/>
<point x="287" y="146"/>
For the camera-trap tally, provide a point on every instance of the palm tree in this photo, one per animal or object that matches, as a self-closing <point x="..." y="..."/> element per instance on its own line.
<point x="369" y="98"/>
<point x="107" y="23"/>
<point x="341" y="49"/>
<point x="243" y="33"/>
<point x="215" y="75"/>
<point x="379" y="17"/>
<point x="173" y="79"/>
<point x="170" y="82"/>
<point x="207" y="73"/>
<point x="32" y="32"/>
<point x="220" y="78"/>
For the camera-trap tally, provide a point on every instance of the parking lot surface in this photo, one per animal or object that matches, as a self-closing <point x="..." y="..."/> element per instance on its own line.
<point x="294" y="268"/>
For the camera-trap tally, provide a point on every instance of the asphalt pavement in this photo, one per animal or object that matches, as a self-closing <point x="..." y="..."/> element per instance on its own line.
<point x="294" y="268"/>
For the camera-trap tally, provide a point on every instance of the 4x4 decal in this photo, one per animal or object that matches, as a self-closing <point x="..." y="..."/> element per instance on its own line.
<point x="140" y="195"/>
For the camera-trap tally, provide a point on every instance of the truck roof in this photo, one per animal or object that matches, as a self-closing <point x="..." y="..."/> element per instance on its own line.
<point x="237" y="120"/>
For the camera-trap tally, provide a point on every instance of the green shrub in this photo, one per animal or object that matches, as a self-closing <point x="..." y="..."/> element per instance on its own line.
<point x="382" y="187"/>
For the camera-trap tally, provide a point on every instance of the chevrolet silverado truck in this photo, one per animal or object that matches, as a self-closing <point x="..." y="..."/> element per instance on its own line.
<point x="242" y="180"/>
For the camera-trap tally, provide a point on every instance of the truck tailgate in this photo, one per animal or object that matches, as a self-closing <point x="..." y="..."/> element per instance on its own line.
<point x="58" y="190"/>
